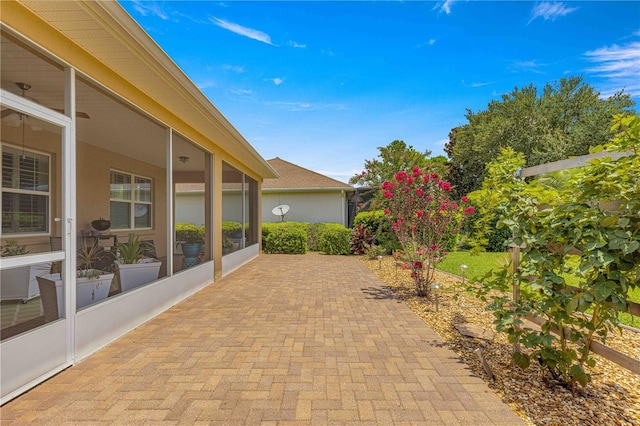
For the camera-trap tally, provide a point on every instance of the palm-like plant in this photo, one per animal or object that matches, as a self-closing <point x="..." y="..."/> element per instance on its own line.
<point x="132" y="251"/>
<point x="88" y="255"/>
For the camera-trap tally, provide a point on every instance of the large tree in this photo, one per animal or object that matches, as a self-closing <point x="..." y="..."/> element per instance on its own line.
<point x="564" y="120"/>
<point x="395" y="157"/>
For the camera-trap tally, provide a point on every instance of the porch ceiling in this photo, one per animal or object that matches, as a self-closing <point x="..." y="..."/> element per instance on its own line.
<point x="108" y="33"/>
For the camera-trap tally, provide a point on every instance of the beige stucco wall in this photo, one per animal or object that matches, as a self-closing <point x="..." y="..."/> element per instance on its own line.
<point x="93" y="170"/>
<point x="315" y="207"/>
<point x="189" y="207"/>
<point x="312" y="207"/>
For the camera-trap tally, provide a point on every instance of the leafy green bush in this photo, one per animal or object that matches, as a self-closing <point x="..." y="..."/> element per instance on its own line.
<point x="598" y="216"/>
<point x="229" y="228"/>
<point x="285" y="237"/>
<point x="315" y="230"/>
<point x="190" y="233"/>
<point x="335" y="239"/>
<point x="379" y="225"/>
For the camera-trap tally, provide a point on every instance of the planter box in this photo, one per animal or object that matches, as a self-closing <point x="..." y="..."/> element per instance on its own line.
<point x="137" y="274"/>
<point x="20" y="283"/>
<point x="88" y="292"/>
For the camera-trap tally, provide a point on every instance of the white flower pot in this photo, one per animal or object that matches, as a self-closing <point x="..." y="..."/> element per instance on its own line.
<point x="137" y="274"/>
<point x="88" y="292"/>
<point x="20" y="283"/>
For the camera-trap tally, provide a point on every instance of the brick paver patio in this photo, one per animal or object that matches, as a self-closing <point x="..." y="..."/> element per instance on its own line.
<point x="284" y="340"/>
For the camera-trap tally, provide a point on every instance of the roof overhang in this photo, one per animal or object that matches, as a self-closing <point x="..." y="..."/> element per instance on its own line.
<point x="101" y="40"/>
<point x="340" y="189"/>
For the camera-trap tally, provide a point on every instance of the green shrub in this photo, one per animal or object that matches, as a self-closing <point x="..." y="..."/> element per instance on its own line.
<point x="315" y="230"/>
<point x="229" y="228"/>
<point x="285" y="237"/>
<point x="379" y="225"/>
<point x="335" y="239"/>
<point x="190" y="233"/>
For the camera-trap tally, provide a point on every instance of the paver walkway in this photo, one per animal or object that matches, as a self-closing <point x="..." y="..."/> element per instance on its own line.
<point x="284" y="340"/>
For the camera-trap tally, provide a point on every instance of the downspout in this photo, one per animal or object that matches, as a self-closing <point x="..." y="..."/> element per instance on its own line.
<point x="344" y="208"/>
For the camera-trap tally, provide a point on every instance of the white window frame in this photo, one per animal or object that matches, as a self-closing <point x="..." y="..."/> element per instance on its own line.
<point x="30" y="192"/>
<point x="132" y="201"/>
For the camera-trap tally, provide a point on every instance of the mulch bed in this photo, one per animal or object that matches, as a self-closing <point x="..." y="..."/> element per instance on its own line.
<point x="612" y="397"/>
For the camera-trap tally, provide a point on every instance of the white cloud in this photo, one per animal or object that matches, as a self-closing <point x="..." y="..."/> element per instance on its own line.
<point x="146" y="8"/>
<point x="277" y="81"/>
<point x="242" y="92"/>
<point x="527" y="66"/>
<point x="619" y="64"/>
<point x="305" y="106"/>
<point x="206" y="84"/>
<point x="243" y="31"/>
<point x="444" y="6"/>
<point x="481" y="84"/>
<point x="550" y="11"/>
<point x="235" y="68"/>
<point x="296" y="45"/>
<point x="432" y="41"/>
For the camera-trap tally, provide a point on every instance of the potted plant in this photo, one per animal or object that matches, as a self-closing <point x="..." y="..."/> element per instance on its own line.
<point x="20" y="283"/>
<point x="191" y="237"/>
<point x="92" y="285"/>
<point x="133" y="266"/>
<point x="227" y="244"/>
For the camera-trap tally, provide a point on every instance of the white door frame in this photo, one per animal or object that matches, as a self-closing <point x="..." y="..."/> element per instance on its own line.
<point x="32" y="357"/>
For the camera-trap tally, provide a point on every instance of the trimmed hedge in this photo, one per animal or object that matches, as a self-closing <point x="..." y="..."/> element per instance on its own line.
<point x="335" y="239"/>
<point x="299" y="237"/>
<point x="189" y="232"/>
<point x="231" y="227"/>
<point x="285" y="237"/>
<point x="315" y="231"/>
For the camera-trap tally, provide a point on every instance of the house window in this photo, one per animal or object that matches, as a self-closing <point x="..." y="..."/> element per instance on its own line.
<point x="25" y="191"/>
<point x="131" y="204"/>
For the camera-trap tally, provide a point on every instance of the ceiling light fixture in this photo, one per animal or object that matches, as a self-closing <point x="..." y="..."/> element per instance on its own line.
<point x="183" y="159"/>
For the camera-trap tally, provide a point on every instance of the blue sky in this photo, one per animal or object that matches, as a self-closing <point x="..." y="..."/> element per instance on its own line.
<point x="323" y="84"/>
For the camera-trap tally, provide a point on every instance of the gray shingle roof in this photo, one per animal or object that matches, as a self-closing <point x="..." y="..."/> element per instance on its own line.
<point x="294" y="177"/>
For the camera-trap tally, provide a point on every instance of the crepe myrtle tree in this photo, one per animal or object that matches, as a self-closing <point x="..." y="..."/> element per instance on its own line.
<point x="423" y="217"/>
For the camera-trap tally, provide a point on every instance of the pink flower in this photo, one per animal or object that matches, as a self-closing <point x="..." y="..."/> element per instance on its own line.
<point x="387" y="211"/>
<point x="410" y="181"/>
<point x="419" y="213"/>
<point x="470" y="210"/>
<point x="446" y="186"/>
<point x="435" y="176"/>
<point x="454" y="206"/>
<point x="465" y="199"/>
<point x="417" y="172"/>
<point x="388" y="194"/>
<point x="417" y="265"/>
<point x="426" y="179"/>
<point x="430" y="198"/>
<point x="420" y="192"/>
<point x="401" y="177"/>
<point x="388" y="185"/>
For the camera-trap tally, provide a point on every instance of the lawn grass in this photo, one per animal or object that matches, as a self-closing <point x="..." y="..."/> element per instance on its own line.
<point x="479" y="265"/>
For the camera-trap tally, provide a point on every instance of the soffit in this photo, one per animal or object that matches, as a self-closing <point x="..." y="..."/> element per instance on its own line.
<point x="109" y="34"/>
